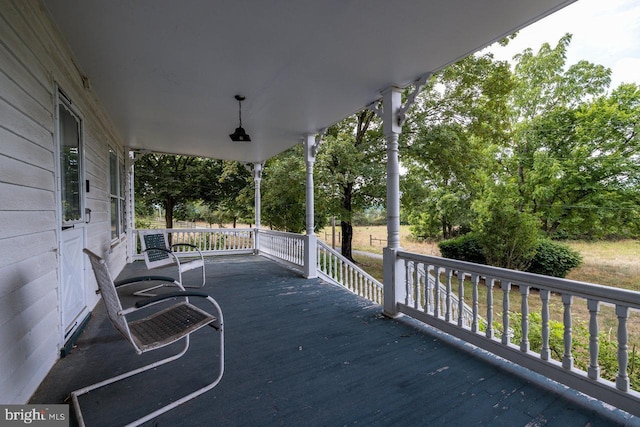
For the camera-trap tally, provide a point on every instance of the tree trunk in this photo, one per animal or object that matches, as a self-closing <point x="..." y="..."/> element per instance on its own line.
<point x="168" y="216"/>
<point x="347" y="239"/>
<point x="168" y="213"/>
<point x="345" y="222"/>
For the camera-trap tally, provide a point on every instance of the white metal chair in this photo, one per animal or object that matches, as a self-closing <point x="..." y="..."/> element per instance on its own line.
<point x="160" y="328"/>
<point x="158" y="253"/>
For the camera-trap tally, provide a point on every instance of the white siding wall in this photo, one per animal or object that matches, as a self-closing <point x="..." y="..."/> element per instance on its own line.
<point x="33" y="59"/>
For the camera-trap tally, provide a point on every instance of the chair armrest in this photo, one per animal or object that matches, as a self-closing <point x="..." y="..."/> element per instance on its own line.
<point x="158" y="249"/>
<point x="138" y="279"/>
<point x="171" y="295"/>
<point x="185" y="244"/>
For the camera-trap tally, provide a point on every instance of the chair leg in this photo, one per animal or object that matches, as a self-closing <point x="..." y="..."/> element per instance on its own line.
<point x="154" y="414"/>
<point x="146" y="293"/>
<point x="196" y="287"/>
<point x="191" y="395"/>
<point x="87" y="389"/>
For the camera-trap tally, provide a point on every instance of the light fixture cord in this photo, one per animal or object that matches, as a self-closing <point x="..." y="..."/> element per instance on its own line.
<point x="240" y="112"/>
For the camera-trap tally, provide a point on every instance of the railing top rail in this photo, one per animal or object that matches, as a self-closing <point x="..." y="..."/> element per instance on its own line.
<point x="196" y="230"/>
<point x="282" y="233"/>
<point x="355" y="267"/>
<point x="623" y="297"/>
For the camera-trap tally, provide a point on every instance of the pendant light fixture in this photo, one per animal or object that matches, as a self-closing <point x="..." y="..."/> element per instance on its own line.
<point x="240" y="135"/>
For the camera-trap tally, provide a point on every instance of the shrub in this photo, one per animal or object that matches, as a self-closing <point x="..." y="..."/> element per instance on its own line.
<point x="463" y="248"/>
<point x="554" y="259"/>
<point x="550" y="259"/>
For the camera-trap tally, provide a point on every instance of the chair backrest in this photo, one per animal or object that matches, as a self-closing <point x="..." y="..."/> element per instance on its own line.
<point x="109" y="294"/>
<point x="155" y="239"/>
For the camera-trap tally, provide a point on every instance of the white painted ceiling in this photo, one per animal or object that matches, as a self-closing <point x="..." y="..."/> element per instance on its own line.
<point x="167" y="70"/>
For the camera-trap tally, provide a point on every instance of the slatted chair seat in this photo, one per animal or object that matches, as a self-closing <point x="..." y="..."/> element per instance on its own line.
<point x="159" y="254"/>
<point x="164" y="326"/>
<point x="168" y="326"/>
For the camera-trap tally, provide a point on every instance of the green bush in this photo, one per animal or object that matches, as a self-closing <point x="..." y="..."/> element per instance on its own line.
<point x="550" y="259"/>
<point x="463" y="248"/>
<point x="554" y="259"/>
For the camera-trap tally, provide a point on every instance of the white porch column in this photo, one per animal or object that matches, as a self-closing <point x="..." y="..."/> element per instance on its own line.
<point x="311" y="143"/>
<point x="393" y="286"/>
<point x="129" y="206"/>
<point x="256" y="171"/>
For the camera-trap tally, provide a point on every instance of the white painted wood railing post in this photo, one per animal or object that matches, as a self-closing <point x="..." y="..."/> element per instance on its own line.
<point x="524" y="323"/>
<point x="460" y="298"/>
<point x="567" y="357"/>
<point x="475" y="280"/>
<point x="506" y="333"/>
<point x="545" y="353"/>
<point x="593" y="370"/>
<point x="447" y="301"/>
<point x="622" y="379"/>
<point x="489" y="281"/>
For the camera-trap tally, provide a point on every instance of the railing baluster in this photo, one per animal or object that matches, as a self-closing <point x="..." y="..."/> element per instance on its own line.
<point x="506" y="334"/>
<point x="436" y="293"/>
<point x="524" y="322"/>
<point x="489" y="282"/>
<point x="622" y="379"/>
<point x="475" y="280"/>
<point x="447" y="301"/>
<point x="461" y="299"/>
<point x="567" y="357"/>
<point x="430" y="284"/>
<point x="409" y="274"/>
<point x="593" y="371"/>
<point x="545" y="352"/>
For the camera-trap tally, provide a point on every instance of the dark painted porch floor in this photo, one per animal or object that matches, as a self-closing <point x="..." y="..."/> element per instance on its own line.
<point x="301" y="352"/>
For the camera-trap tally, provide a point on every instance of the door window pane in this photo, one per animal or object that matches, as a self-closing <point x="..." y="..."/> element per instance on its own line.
<point x="70" y="166"/>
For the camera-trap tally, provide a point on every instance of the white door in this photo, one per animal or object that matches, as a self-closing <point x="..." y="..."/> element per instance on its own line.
<point x="72" y="286"/>
<point x="71" y="208"/>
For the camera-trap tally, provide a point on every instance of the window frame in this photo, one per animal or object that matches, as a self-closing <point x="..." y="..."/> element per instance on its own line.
<point x="116" y="180"/>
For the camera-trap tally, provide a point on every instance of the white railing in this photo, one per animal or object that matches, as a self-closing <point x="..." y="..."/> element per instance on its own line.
<point x="338" y="269"/>
<point x="209" y="241"/>
<point x="455" y="275"/>
<point x="284" y="246"/>
<point x="425" y="291"/>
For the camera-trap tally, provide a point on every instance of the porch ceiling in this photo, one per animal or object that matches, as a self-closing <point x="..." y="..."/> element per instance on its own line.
<point x="167" y="71"/>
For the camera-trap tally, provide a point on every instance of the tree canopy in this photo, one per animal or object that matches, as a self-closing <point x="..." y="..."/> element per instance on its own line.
<point x="543" y="140"/>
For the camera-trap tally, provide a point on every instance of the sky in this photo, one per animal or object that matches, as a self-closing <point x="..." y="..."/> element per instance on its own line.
<point x="605" y="32"/>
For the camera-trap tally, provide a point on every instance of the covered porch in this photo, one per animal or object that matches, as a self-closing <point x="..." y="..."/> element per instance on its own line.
<point x="299" y="350"/>
<point x="306" y="352"/>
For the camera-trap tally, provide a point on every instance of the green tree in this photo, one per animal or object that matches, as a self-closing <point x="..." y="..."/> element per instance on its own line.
<point x="449" y="144"/>
<point x="575" y="148"/>
<point x="555" y="133"/>
<point x="175" y="182"/>
<point x="284" y="193"/>
<point x="351" y="170"/>
<point x="165" y="180"/>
